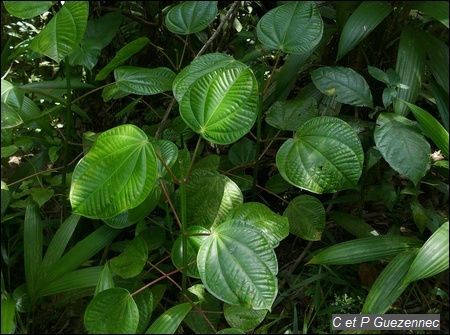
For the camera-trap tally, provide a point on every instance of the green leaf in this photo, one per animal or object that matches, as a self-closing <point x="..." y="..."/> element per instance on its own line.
<point x="295" y="27"/>
<point x="142" y="81"/>
<point x="105" y="281"/>
<point x="117" y="174"/>
<point x="361" y="23"/>
<point x="33" y="240"/>
<point x="168" y="151"/>
<point x="432" y="257"/>
<point x="306" y="217"/>
<point x="112" y="311"/>
<point x="432" y="128"/>
<point x="243" y="318"/>
<point x="389" y="284"/>
<point x="347" y="85"/>
<point x="378" y="74"/>
<point x="365" y="249"/>
<point x="170" y="320"/>
<point x="222" y="105"/>
<point x="242" y="152"/>
<point x="191" y="16"/>
<point x="436" y="9"/>
<point x="8" y="315"/>
<point x="419" y="214"/>
<point x="274" y="227"/>
<point x="64" y="31"/>
<point x="410" y="66"/>
<point x="353" y="225"/>
<point x="210" y="196"/>
<point x="325" y="156"/>
<point x="193" y="244"/>
<point x="238" y="266"/>
<point x="10" y="118"/>
<point x="132" y="260"/>
<point x="5" y="197"/>
<point x="122" y="55"/>
<point x="289" y="115"/>
<point x="398" y="140"/>
<point x="27" y="9"/>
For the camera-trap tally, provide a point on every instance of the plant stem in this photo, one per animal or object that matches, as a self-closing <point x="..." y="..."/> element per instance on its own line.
<point x="183" y="230"/>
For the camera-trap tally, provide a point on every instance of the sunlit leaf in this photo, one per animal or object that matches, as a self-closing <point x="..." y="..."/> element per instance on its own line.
<point x="191" y="16"/>
<point x="170" y="320"/>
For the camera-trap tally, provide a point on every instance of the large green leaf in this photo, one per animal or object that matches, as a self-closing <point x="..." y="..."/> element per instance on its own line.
<point x="210" y="196"/>
<point x="325" y="156"/>
<point x="436" y="9"/>
<point x="238" y="265"/>
<point x="8" y="315"/>
<point x="191" y="16"/>
<point x="117" y="174"/>
<point x="363" y="20"/>
<point x="143" y="81"/>
<point x="289" y="115"/>
<point x="132" y="260"/>
<point x="222" y="105"/>
<point x="295" y="27"/>
<point x="274" y="227"/>
<point x="402" y="145"/>
<point x="27" y="9"/>
<point x="432" y="257"/>
<point x="170" y="320"/>
<point x="365" y="249"/>
<point x="64" y="31"/>
<point x="243" y="318"/>
<point x="306" y="217"/>
<point x="347" y="85"/>
<point x="112" y="311"/>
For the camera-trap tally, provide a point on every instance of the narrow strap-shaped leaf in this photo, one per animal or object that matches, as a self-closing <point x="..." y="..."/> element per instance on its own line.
<point x="442" y="102"/>
<point x="7" y="316"/>
<point x="436" y="9"/>
<point x="32" y="240"/>
<point x="410" y="66"/>
<point x="365" y="249"/>
<point x="389" y="284"/>
<point x="353" y="225"/>
<point x="170" y="320"/>
<point x="361" y="23"/>
<point x="433" y="256"/>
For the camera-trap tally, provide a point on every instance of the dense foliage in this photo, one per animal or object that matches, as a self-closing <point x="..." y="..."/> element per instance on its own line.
<point x="222" y="167"/>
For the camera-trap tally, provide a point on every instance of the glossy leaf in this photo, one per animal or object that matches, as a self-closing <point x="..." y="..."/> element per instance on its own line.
<point x="325" y="156"/>
<point x="132" y="260"/>
<point x="168" y="151"/>
<point x="361" y="23"/>
<point x="365" y="249"/>
<point x="432" y="257"/>
<point x="243" y="318"/>
<point x="295" y="27"/>
<point x="193" y="244"/>
<point x="105" y="281"/>
<point x="274" y="227"/>
<point x="10" y="118"/>
<point x="27" y="9"/>
<point x="170" y="320"/>
<point x="112" y="311"/>
<point x="353" y="224"/>
<point x="389" y="284"/>
<point x="191" y="16"/>
<point x="238" y="266"/>
<point x="347" y="85"/>
<point x="438" y="53"/>
<point x="410" y="66"/>
<point x="222" y="105"/>
<point x="432" y="128"/>
<point x="210" y="196"/>
<point x="142" y="81"/>
<point x="402" y="145"/>
<point x="117" y="174"/>
<point x="306" y="217"/>
<point x="64" y="31"/>
<point x="289" y="115"/>
<point x="122" y="55"/>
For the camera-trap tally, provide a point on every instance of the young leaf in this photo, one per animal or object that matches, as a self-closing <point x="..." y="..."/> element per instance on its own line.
<point x="117" y="174"/>
<point x="191" y="16"/>
<point x="347" y="85"/>
<point x="306" y="217"/>
<point x="295" y="27"/>
<point x="364" y="19"/>
<point x="238" y="266"/>
<point x="402" y="145"/>
<point x="325" y="156"/>
<point x="112" y="311"/>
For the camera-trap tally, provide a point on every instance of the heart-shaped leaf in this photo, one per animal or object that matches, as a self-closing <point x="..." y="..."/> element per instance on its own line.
<point x="325" y="156"/>
<point x="402" y="145"/>
<point x="117" y="173"/>
<point x="222" y="105"/>
<point x="132" y="260"/>
<point x="295" y="27"/>
<point x="238" y="265"/>
<point x="143" y="81"/>
<point x="289" y="115"/>
<point x="191" y="16"/>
